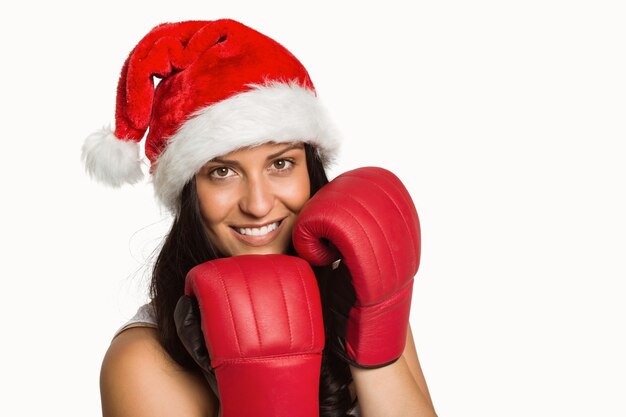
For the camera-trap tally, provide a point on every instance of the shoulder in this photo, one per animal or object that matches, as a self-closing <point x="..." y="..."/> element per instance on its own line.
<point x="138" y="378"/>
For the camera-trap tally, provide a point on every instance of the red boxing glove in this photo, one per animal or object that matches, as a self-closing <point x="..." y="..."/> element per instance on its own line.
<point x="263" y="328"/>
<point x="366" y="217"/>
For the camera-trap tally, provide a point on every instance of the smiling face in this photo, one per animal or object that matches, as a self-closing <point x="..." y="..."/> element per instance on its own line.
<point x="250" y="198"/>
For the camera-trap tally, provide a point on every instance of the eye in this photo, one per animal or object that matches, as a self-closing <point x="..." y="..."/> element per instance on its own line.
<point x="221" y="172"/>
<point x="282" y="164"/>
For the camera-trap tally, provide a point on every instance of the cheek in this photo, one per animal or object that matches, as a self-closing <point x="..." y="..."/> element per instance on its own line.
<point x="297" y="192"/>
<point x="214" y="206"/>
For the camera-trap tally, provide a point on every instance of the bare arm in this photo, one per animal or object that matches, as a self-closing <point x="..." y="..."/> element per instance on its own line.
<point x="410" y="355"/>
<point x="139" y="379"/>
<point x="398" y="389"/>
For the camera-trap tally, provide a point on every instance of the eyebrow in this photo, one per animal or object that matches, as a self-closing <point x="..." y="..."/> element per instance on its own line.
<point x="298" y="145"/>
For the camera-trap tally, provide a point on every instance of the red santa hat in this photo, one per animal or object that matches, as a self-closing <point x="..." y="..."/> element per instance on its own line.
<point x="224" y="86"/>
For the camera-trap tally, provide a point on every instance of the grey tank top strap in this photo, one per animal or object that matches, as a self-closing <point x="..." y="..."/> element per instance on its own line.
<point x="144" y="317"/>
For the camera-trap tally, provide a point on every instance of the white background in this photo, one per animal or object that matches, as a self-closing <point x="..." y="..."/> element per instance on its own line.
<point x="506" y="121"/>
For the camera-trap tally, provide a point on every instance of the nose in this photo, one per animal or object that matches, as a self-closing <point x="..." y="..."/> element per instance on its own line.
<point x="257" y="198"/>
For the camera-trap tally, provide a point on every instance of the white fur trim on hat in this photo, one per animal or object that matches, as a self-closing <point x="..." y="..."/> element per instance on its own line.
<point x="110" y="160"/>
<point x="276" y="112"/>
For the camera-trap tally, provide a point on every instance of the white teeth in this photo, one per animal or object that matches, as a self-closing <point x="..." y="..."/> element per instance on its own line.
<point x="257" y="231"/>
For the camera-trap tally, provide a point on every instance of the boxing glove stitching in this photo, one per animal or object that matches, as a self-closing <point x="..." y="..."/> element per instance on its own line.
<point x="268" y="358"/>
<point x="398" y="187"/>
<point x="230" y="308"/>
<point x="256" y="322"/>
<point x="381" y="281"/>
<point x="406" y="199"/>
<point x="282" y="293"/>
<point x="308" y="305"/>
<point x="393" y="181"/>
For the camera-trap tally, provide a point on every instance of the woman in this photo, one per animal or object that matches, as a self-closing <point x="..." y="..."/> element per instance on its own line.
<point x="238" y="143"/>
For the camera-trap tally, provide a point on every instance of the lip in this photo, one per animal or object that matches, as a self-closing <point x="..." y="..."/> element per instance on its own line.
<point x="256" y="241"/>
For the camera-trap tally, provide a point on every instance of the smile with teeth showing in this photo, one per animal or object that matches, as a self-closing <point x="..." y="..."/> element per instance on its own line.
<point x="257" y="231"/>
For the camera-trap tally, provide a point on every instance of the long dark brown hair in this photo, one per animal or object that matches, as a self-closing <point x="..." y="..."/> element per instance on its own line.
<point x="187" y="245"/>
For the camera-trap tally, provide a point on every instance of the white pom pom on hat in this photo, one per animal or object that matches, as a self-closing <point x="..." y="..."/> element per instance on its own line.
<point x="223" y="86"/>
<point x="110" y="160"/>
